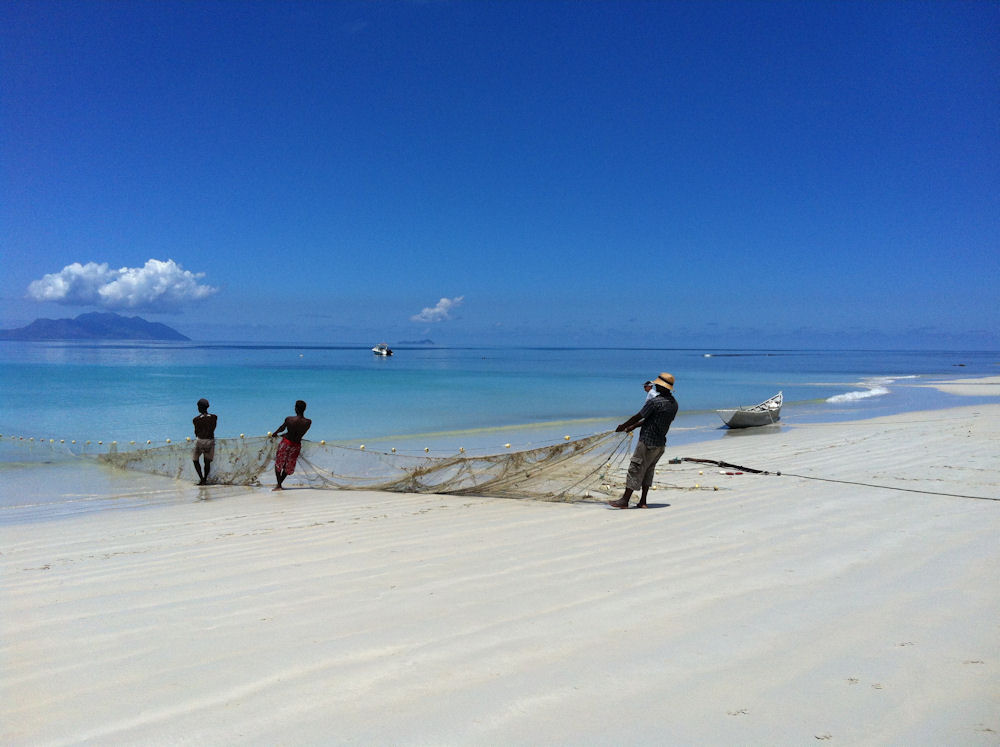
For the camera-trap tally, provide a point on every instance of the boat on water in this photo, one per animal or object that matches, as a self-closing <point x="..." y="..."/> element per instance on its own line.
<point x="382" y="349"/>
<point x="764" y="413"/>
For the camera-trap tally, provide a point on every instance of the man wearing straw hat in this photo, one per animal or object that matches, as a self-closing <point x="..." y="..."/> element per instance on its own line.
<point x="654" y="418"/>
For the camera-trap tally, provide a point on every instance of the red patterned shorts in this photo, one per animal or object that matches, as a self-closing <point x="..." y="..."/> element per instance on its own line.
<point x="288" y="454"/>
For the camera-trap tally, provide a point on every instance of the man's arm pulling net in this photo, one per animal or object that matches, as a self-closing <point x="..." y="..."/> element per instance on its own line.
<point x="589" y="467"/>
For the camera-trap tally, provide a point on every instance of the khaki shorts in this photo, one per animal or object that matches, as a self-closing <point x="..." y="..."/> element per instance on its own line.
<point x="204" y="446"/>
<point x="643" y="465"/>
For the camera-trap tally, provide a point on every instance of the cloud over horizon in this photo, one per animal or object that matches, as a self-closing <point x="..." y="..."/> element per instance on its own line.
<point x="156" y="286"/>
<point x="440" y="312"/>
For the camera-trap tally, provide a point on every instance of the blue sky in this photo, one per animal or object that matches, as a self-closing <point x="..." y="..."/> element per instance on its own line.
<point x="691" y="174"/>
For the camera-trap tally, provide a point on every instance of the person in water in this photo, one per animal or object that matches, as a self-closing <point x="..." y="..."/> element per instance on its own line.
<point x="655" y="418"/>
<point x="295" y="427"/>
<point x="204" y="444"/>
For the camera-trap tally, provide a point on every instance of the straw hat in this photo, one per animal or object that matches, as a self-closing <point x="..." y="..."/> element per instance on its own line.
<point x="665" y="379"/>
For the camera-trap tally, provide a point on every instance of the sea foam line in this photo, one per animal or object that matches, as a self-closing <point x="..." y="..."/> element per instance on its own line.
<point x="877" y="391"/>
<point x="877" y="387"/>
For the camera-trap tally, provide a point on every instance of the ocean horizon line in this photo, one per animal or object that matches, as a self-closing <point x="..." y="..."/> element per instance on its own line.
<point x="709" y="351"/>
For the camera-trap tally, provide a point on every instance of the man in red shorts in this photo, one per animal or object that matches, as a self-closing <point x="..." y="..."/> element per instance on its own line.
<point x="295" y="427"/>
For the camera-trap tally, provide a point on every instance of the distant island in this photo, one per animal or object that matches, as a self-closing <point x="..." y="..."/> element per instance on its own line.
<point x="93" y="326"/>
<point x="415" y="342"/>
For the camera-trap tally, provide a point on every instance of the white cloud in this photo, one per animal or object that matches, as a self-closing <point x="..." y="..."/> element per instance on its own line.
<point x="440" y="312"/>
<point x="157" y="285"/>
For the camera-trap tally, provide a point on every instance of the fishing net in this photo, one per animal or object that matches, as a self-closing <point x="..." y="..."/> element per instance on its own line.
<point x="588" y="467"/>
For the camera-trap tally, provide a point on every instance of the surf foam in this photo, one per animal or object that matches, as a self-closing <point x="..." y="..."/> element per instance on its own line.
<point x="878" y="387"/>
<point x="877" y="391"/>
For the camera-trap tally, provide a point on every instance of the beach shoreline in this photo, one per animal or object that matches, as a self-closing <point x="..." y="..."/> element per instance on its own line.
<point x="981" y="386"/>
<point x="852" y="598"/>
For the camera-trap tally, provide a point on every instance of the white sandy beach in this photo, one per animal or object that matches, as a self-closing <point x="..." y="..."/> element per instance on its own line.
<point x="986" y="386"/>
<point x="773" y="610"/>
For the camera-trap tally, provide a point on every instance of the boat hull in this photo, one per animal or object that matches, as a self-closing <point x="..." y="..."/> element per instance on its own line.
<point x="746" y="419"/>
<point x="765" y="413"/>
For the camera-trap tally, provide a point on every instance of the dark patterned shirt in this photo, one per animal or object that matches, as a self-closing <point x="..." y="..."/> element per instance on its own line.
<point x="657" y="415"/>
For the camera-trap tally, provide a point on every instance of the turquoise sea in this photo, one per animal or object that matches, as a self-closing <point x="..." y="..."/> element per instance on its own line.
<point x="439" y="399"/>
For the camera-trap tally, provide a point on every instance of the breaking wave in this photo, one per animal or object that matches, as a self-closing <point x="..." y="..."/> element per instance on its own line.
<point x="876" y="387"/>
<point x="877" y="391"/>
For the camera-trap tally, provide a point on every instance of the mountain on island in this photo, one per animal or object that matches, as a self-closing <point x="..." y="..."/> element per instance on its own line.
<point x="93" y="326"/>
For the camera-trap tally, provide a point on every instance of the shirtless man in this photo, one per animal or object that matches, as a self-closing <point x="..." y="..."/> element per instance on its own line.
<point x="204" y="445"/>
<point x="295" y="427"/>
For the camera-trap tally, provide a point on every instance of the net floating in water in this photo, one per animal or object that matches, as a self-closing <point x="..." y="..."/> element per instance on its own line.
<point x="588" y="467"/>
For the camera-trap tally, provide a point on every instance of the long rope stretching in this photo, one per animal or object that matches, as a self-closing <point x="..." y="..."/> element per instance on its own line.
<point x="831" y="479"/>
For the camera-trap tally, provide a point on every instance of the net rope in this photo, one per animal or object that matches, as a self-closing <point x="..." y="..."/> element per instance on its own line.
<point x="591" y="467"/>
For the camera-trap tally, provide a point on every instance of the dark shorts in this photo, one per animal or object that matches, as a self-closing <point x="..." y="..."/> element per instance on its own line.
<point x="287" y="456"/>
<point x="204" y="446"/>
<point x="643" y="465"/>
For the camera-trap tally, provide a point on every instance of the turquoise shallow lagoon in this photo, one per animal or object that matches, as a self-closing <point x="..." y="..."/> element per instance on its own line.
<point x="441" y="399"/>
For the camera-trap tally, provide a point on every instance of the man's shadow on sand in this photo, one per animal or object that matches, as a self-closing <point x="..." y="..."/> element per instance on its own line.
<point x="632" y="508"/>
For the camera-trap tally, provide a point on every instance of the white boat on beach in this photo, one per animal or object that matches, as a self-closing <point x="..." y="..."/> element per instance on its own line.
<point x="764" y="413"/>
<point x="382" y="349"/>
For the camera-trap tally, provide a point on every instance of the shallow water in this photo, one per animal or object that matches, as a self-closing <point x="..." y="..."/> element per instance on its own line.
<point x="440" y="400"/>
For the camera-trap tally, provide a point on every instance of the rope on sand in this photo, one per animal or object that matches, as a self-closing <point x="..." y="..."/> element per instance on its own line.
<point x="830" y="479"/>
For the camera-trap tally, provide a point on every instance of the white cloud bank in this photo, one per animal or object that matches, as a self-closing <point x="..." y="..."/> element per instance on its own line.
<point x="440" y="312"/>
<point x="159" y="286"/>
